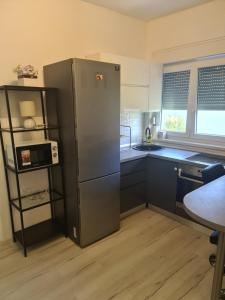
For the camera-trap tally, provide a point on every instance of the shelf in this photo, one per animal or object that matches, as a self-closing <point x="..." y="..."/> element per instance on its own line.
<point x="26" y="88"/>
<point x="20" y="129"/>
<point x="39" y="232"/>
<point x="48" y="229"/>
<point x="30" y="170"/>
<point x="36" y="200"/>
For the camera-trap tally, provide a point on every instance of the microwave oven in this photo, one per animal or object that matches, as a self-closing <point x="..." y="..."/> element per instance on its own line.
<point x="33" y="154"/>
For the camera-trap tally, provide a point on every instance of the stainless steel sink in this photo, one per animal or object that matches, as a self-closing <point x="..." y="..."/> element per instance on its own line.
<point x="147" y="147"/>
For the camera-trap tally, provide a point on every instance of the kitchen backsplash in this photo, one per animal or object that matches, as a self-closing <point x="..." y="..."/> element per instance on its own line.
<point x="137" y="121"/>
<point x="134" y="119"/>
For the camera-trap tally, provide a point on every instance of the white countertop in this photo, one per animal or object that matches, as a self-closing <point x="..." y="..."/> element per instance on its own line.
<point x="166" y="153"/>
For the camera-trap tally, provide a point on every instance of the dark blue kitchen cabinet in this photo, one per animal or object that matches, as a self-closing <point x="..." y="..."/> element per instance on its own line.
<point x="162" y="183"/>
<point x="132" y="184"/>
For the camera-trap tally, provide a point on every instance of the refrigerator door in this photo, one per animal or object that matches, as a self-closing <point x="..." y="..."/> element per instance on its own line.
<point x="97" y="110"/>
<point x="99" y="208"/>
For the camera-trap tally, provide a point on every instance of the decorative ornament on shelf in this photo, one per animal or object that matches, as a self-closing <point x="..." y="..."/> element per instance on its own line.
<point x="27" y="75"/>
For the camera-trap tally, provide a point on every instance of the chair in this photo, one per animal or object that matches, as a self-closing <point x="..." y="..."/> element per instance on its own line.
<point x="209" y="174"/>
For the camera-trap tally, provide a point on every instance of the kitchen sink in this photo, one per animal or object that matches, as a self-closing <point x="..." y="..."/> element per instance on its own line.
<point x="147" y="147"/>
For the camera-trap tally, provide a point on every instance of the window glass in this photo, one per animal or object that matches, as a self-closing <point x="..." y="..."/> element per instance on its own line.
<point x="211" y="101"/>
<point x="174" y="120"/>
<point x="175" y="93"/>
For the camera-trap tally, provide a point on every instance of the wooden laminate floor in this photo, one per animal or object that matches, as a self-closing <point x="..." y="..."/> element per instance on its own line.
<point x="151" y="257"/>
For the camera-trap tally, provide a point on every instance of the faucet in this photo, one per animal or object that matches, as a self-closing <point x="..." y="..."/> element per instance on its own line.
<point x="148" y="135"/>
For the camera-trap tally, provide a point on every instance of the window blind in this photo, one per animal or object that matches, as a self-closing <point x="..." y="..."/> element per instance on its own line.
<point x="175" y="90"/>
<point x="211" y="88"/>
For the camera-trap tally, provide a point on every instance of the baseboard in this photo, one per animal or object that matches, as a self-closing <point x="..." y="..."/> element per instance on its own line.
<point x="132" y="211"/>
<point x="184" y="221"/>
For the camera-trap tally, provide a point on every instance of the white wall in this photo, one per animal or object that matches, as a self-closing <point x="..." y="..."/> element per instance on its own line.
<point x="45" y="31"/>
<point x="194" y="32"/>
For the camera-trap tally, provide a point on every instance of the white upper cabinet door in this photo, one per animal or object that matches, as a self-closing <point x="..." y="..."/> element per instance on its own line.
<point x="134" y="98"/>
<point x="136" y="72"/>
<point x="133" y="71"/>
<point x="155" y="91"/>
<point x="141" y="82"/>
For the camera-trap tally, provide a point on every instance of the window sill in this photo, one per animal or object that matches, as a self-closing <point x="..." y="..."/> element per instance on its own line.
<point x="193" y="146"/>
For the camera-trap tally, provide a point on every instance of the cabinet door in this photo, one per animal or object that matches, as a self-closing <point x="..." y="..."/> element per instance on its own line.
<point x="162" y="183"/>
<point x="134" y="97"/>
<point x="133" y="71"/>
<point x="155" y="91"/>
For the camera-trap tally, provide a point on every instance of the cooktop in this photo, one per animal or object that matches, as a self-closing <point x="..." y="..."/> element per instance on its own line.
<point x="207" y="158"/>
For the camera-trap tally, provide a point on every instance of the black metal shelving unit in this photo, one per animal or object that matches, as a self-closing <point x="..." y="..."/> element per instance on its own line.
<point x="28" y="236"/>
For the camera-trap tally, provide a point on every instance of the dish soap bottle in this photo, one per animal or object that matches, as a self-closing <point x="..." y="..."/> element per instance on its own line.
<point x="148" y="135"/>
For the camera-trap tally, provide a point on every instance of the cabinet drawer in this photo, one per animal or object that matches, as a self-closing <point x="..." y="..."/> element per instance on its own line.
<point x="132" y="197"/>
<point x="132" y="179"/>
<point x="132" y="166"/>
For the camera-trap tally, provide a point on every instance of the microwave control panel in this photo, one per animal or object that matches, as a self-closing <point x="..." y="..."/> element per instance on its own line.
<point x="55" y="154"/>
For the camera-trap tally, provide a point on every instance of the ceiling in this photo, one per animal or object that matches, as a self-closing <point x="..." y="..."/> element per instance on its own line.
<point x="147" y="9"/>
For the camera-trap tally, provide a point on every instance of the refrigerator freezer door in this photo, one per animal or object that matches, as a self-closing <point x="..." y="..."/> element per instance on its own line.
<point x="99" y="208"/>
<point x="97" y="98"/>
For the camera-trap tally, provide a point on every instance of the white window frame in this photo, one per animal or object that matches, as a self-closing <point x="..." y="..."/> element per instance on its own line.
<point x="191" y="135"/>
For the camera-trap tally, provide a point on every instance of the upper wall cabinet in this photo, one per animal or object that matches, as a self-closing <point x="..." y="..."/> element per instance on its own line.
<point x="133" y="71"/>
<point x="141" y="82"/>
<point x="134" y="97"/>
<point x="155" y="91"/>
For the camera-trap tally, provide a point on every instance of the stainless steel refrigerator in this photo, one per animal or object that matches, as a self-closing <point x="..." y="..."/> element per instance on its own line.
<point x="89" y="105"/>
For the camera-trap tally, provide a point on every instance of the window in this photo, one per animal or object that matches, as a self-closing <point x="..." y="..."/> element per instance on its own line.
<point x="193" y="101"/>
<point x="211" y="101"/>
<point x="175" y="100"/>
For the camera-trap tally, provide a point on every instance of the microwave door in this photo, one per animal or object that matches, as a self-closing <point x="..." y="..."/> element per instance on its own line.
<point x="34" y="156"/>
